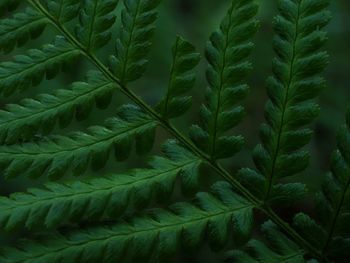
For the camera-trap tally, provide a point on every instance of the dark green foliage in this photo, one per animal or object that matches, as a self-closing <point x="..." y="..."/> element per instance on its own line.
<point x="53" y="155"/>
<point x="279" y="249"/>
<point x="292" y="88"/>
<point x="29" y="70"/>
<point x="63" y="10"/>
<point x="138" y="24"/>
<point x="107" y="196"/>
<point x="125" y="216"/>
<point x="181" y="80"/>
<point x="159" y="231"/>
<point x="21" y="27"/>
<point x="332" y="236"/>
<point x="23" y="120"/>
<point x="8" y="5"/>
<point x="95" y="21"/>
<point x="227" y="53"/>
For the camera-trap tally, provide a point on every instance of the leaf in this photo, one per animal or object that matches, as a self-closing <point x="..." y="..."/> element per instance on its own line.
<point x="29" y="70"/>
<point x="63" y="10"/>
<point x="55" y="154"/>
<point x="295" y="83"/>
<point x="23" y="120"/>
<point x="279" y="249"/>
<point x="96" y="19"/>
<point x="17" y="30"/>
<point x="134" y="42"/>
<point x="160" y="231"/>
<point x="111" y="195"/>
<point x="332" y="233"/>
<point x="227" y="53"/>
<point x="182" y="79"/>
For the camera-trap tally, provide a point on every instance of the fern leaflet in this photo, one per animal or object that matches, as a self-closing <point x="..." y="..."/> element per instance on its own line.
<point x="106" y="196"/>
<point x="23" y="120"/>
<point x="332" y="236"/>
<point x="56" y="154"/>
<point x="95" y="22"/>
<point x="159" y="231"/>
<point x="134" y="42"/>
<point x="28" y="70"/>
<point x="19" y="28"/>
<point x="181" y="80"/>
<point x="63" y="10"/>
<point x="227" y="54"/>
<point x="296" y="82"/>
<point x="280" y="249"/>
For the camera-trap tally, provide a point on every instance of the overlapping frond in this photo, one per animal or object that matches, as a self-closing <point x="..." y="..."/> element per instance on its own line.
<point x="96" y="19"/>
<point x="53" y="155"/>
<point x="280" y="249"/>
<point x="292" y="89"/>
<point x="108" y="196"/>
<point x="23" y="120"/>
<point x="155" y="234"/>
<point x="227" y="54"/>
<point x="134" y="42"/>
<point x="16" y="31"/>
<point x="28" y="70"/>
<point x="332" y="236"/>
<point x="182" y="79"/>
<point x="63" y="10"/>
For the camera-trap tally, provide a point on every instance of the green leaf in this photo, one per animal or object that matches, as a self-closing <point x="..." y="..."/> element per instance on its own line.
<point x="279" y="249"/>
<point x="110" y="196"/>
<point x="63" y="10"/>
<point x="29" y="70"/>
<point x="332" y="235"/>
<point x="96" y="18"/>
<point x="182" y="79"/>
<point x="227" y="53"/>
<point x="17" y="30"/>
<point x="23" y="120"/>
<point x="292" y="89"/>
<point x="134" y="42"/>
<point x="310" y="230"/>
<point x="55" y="154"/>
<point x="160" y="231"/>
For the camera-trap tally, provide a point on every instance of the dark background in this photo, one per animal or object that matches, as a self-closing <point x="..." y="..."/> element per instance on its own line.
<point x="195" y="20"/>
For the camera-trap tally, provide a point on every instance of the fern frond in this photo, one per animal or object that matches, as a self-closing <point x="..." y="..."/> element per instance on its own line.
<point x="28" y="70"/>
<point x="63" y="10"/>
<point x="227" y="54"/>
<point x="54" y="155"/>
<point x="159" y="232"/>
<point x="134" y="42"/>
<point x="280" y="249"/>
<point x="95" y="21"/>
<point x="292" y="89"/>
<point x="105" y="196"/>
<point x="332" y="237"/>
<point x="182" y="79"/>
<point x="18" y="29"/>
<point x="23" y="120"/>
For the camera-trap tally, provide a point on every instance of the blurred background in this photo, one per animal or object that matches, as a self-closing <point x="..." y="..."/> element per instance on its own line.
<point x="195" y="20"/>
